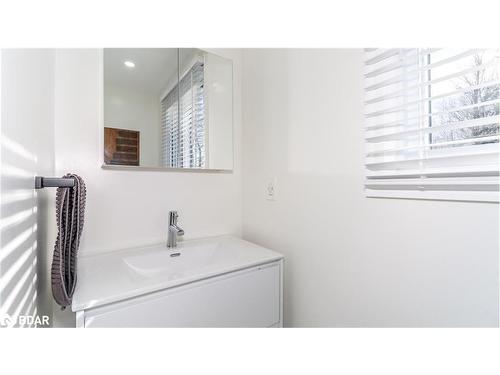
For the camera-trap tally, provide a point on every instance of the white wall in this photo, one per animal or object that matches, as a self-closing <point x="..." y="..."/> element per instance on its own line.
<point x="127" y="208"/>
<point x="27" y="141"/>
<point x="135" y="110"/>
<point x="351" y="260"/>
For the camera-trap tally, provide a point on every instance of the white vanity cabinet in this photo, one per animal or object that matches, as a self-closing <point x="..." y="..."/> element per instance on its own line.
<point x="250" y="297"/>
<point x="213" y="282"/>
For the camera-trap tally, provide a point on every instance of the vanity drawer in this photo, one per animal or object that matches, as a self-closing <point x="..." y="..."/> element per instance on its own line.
<point x="246" y="298"/>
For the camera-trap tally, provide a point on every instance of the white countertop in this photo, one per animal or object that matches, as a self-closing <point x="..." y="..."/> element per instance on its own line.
<point x="118" y="275"/>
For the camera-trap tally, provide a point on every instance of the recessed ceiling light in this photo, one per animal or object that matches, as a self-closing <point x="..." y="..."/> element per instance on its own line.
<point x="129" y="64"/>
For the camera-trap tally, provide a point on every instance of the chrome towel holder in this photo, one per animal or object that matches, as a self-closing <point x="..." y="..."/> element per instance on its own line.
<point x="43" y="182"/>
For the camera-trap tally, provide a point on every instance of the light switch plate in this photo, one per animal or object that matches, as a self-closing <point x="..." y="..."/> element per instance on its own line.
<point x="271" y="189"/>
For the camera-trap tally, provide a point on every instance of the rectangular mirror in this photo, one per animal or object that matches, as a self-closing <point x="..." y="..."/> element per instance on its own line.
<point x="167" y="108"/>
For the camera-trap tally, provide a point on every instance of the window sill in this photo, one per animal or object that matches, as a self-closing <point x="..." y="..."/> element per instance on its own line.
<point x="464" y="196"/>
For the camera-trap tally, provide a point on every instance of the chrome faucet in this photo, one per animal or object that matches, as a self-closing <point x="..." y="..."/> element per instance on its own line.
<point x="173" y="230"/>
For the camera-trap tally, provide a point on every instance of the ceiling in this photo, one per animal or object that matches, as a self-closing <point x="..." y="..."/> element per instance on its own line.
<point x="154" y="68"/>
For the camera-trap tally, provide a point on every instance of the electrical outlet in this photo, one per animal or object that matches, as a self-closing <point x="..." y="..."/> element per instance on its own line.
<point x="271" y="189"/>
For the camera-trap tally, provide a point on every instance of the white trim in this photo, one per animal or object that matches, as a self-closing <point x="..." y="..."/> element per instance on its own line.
<point x="464" y="196"/>
<point x="163" y="169"/>
<point x="100" y="135"/>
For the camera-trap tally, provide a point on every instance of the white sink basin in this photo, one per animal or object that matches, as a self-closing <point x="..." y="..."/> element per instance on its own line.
<point x="159" y="260"/>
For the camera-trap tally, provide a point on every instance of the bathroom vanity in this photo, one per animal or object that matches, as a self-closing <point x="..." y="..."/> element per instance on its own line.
<point x="214" y="282"/>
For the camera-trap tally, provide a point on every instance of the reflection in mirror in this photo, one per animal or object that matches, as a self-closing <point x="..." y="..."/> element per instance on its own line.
<point x="168" y="108"/>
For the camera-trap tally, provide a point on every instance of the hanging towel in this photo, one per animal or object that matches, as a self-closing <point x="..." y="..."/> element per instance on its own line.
<point x="70" y="210"/>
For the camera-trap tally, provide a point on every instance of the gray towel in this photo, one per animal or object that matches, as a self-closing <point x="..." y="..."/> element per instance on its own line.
<point x="70" y="210"/>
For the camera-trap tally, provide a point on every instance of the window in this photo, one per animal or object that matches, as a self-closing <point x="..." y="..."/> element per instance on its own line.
<point x="432" y="123"/>
<point x="183" y="122"/>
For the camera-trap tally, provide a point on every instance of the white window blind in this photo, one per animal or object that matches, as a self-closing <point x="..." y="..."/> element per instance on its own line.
<point x="432" y="123"/>
<point x="183" y="122"/>
<point x="170" y="129"/>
